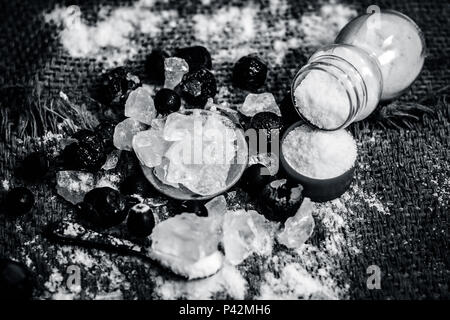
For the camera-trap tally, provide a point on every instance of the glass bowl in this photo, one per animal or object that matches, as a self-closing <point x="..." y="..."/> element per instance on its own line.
<point x="237" y="168"/>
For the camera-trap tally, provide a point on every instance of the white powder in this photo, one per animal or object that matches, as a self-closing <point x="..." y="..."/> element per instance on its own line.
<point x="110" y="39"/>
<point x="96" y="267"/>
<point x="322" y="100"/>
<point x="322" y="27"/>
<point x="319" y="154"/>
<point x="294" y="283"/>
<point x="233" y="27"/>
<point x="228" y="280"/>
<point x="232" y="32"/>
<point x="5" y="185"/>
<point x="229" y="33"/>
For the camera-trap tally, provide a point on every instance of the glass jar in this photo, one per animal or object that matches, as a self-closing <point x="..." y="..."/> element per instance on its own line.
<point x="375" y="57"/>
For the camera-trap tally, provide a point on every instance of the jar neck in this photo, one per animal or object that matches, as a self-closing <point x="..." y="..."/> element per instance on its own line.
<point x="353" y="84"/>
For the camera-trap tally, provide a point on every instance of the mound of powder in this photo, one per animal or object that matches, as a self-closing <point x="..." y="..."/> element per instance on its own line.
<point x="323" y="100"/>
<point x="319" y="154"/>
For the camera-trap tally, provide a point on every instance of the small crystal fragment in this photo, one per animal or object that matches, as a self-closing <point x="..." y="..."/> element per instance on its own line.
<point x="150" y="147"/>
<point x="140" y="105"/>
<point x="125" y="131"/>
<point x="207" y="179"/>
<point x="256" y="103"/>
<point x="111" y="160"/>
<point x="73" y="185"/>
<point x="245" y="232"/>
<point x="188" y="245"/>
<point x="175" y="68"/>
<point x="108" y="180"/>
<point x="299" y="228"/>
<point x="269" y="160"/>
<point x="178" y="126"/>
<point x="216" y="207"/>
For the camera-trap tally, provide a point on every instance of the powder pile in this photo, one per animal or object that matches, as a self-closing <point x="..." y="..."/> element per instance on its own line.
<point x="110" y="39"/>
<point x="323" y="100"/>
<point x="319" y="154"/>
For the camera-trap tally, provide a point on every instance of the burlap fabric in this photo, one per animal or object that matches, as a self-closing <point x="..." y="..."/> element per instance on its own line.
<point x="408" y="168"/>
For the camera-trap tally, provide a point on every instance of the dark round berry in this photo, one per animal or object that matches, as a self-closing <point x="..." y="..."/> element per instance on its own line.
<point x="16" y="281"/>
<point x="19" y="201"/>
<point x="137" y="184"/>
<point x="255" y="178"/>
<point x="87" y="153"/>
<point x="192" y="206"/>
<point x="35" y="165"/>
<point x="167" y="101"/>
<point x="280" y="199"/>
<point x="196" y="87"/>
<point x="268" y="121"/>
<point x="116" y="84"/>
<point x="104" y="207"/>
<point x="249" y="73"/>
<point x="105" y="131"/>
<point x="197" y="57"/>
<point x="154" y="65"/>
<point x="140" y="220"/>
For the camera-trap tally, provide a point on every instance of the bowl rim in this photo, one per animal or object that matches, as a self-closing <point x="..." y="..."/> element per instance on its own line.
<point x="300" y="177"/>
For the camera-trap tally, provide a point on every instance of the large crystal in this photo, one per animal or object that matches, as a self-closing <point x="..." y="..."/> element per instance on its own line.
<point x="150" y="147"/>
<point x="263" y="102"/>
<point x="175" y="68"/>
<point x="73" y="185"/>
<point x="178" y="126"/>
<point x="125" y="131"/>
<point x="246" y="232"/>
<point x="299" y="228"/>
<point x="160" y="172"/>
<point x="188" y="244"/>
<point x="140" y="106"/>
<point x="208" y="179"/>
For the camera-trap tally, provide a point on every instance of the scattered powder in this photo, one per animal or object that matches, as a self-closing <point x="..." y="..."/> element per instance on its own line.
<point x="314" y="272"/>
<point x="96" y="267"/>
<point x="442" y="190"/>
<point x="232" y="32"/>
<point x="371" y="200"/>
<point x="322" y="27"/>
<point x="231" y="27"/>
<point x="229" y="33"/>
<point x="319" y="154"/>
<point x="293" y="283"/>
<point x="228" y="280"/>
<point x="110" y="39"/>
<point x="5" y="185"/>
